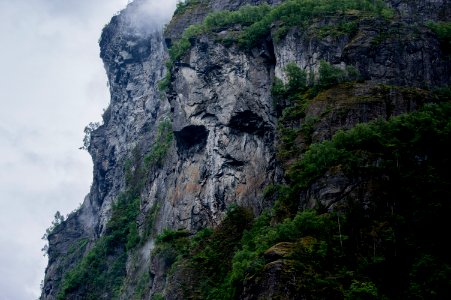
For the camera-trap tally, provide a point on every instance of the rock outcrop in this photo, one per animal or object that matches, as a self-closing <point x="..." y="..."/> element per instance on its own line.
<point x="224" y="126"/>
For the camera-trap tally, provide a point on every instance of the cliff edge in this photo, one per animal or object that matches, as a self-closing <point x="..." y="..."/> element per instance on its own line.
<point x="234" y="162"/>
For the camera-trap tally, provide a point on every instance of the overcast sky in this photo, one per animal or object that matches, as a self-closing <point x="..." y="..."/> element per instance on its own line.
<point x="52" y="84"/>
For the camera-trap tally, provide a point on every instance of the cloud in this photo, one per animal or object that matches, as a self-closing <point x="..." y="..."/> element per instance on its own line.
<point x="52" y="85"/>
<point x="161" y="12"/>
<point x="150" y="14"/>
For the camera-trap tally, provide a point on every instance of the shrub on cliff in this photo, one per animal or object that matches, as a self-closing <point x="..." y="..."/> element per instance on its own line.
<point x="256" y="21"/>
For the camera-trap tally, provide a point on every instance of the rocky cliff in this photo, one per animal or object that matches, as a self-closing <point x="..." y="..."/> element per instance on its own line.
<point x="215" y="146"/>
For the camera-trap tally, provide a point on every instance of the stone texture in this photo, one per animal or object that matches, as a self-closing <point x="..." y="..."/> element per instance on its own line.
<point x="279" y="251"/>
<point x="422" y="10"/>
<point x="225" y="126"/>
<point x="278" y="281"/>
<point x="134" y="56"/>
<point x="346" y="105"/>
<point x="196" y="13"/>
<point x="396" y="53"/>
<point x="221" y="96"/>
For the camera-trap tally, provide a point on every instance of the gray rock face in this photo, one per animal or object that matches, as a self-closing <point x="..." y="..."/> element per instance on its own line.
<point x="422" y="10"/>
<point x="196" y="13"/>
<point x="346" y="105"/>
<point x="391" y="53"/>
<point x="224" y="146"/>
<point x="224" y="123"/>
<point x="67" y="244"/>
<point x="134" y="60"/>
<point x="235" y="4"/>
<point x="224" y="129"/>
<point x="134" y="57"/>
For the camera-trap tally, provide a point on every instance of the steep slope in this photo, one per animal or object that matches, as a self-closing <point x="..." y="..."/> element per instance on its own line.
<point x="246" y="96"/>
<point x="134" y="54"/>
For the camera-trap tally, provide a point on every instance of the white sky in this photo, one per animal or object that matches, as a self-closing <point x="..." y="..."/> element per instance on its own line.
<point x="52" y="84"/>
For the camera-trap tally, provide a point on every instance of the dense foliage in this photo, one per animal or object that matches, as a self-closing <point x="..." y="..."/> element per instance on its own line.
<point x="382" y="240"/>
<point x="102" y="269"/>
<point x="390" y="247"/>
<point x="393" y="242"/>
<point x="255" y="21"/>
<point x="249" y="25"/>
<point x="183" y="6"/>
<point x="291" y="99"/>
<point x="206" y="256"/>
<point x="443" y="32"/>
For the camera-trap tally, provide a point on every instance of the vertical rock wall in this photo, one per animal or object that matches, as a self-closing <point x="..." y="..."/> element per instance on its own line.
<point x="223" y="119"/>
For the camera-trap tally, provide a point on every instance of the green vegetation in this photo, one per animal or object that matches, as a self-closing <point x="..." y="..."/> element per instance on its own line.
<point x="390" y="247"/>
<point x="88" y="131"/>
<point x="301" y="13"/>
<point x="406" y="159"/>
<point x="442" y="93"/>
<point x="382" y="240"/>
<point x="301" y="88"/>
<point x="395" y="139"/>
<point x="256" y="21"/>
<point x="443" y="32"/>
<point x="137" y="168"/>
<point x="405" y="134"/>
<point x="184" y="6"/>
<point x="362" y="290"/>
<point x="150" y="220"/>
<point x="157" y="296"/>
<point x="330" y="75"/>
<point x="291" y="100"/>
<point x="102" y="270"/>
<point x="214" y="21"/>
<point x="142" y="286"/>
<point x="77" y="248"/>
<point x="162" y="144"/>
<point x="206" y="255"/>
<point x="345" y="27"/>
<point x="311" y="236"/>
<point x="57" y="220"/>
<point x="164" y="83"/>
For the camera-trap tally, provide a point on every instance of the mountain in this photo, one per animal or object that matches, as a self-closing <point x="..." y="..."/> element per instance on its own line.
<point x="267" y="150"/>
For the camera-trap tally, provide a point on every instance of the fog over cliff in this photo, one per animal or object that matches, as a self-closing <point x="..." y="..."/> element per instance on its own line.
<point x="52" y="85"/>
<point x="296" y="149"/>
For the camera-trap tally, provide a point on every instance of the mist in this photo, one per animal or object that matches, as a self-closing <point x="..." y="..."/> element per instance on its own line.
<point x="149" y="15"/>
<point x="52" y="85"/>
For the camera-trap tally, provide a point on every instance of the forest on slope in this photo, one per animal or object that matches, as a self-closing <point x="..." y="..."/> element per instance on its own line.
<point x="357" y="115"/>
